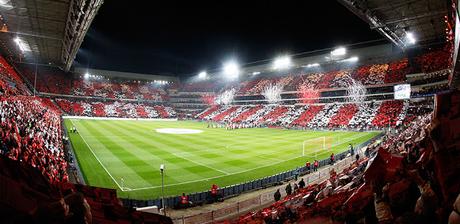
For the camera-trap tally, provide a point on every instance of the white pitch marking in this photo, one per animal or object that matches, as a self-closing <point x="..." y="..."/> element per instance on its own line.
<point x="94" y="154"/>
<point x="204" y="179"/>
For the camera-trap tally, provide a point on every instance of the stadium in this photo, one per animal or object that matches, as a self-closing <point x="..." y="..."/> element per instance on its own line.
<point x="117" y="113"/>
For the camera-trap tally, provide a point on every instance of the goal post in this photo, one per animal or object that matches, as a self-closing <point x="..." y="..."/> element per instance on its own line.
<point x="312" y="147"/>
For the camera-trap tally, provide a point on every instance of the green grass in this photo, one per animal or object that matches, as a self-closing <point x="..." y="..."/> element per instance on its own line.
<point x="133" y="150"/>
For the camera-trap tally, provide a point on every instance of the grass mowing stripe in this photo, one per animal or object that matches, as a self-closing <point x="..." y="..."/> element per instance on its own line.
<point x="232" y="164"/>
<point x="124" y="153"/>
<point x="172" y="153"/>
<point x="245" y="147"/>
<point x="102" y="165"/>
<point x="184" y="172"/>
<point x="242" y="171"/>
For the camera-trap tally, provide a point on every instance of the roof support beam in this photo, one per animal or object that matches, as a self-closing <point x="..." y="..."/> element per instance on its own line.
<point x="359" y="8"/>
<point x="429" y="14"/>
<point x="81" y="14"/>
<point x="34" y="35"/>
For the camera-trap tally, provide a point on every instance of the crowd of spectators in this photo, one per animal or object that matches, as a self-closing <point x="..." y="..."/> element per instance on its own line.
<point x="434" y="61"/>
<point x="405" y="177"/>
<point x="363" y="116"/>
<point x="31" y="133"/>
<point x="123" y="109"/>
<point x="10" y="81"/>
<point x="122" y="89"/>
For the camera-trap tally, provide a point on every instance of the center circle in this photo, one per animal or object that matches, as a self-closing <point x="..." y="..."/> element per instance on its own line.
<point x="178" y="131"/>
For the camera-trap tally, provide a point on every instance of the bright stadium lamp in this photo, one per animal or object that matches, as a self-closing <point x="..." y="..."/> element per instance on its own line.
<point x="202" y="75"/>
<point x="410" y="38"/>
<point x="339" y="52"/>
<point x="283" y="62"/>
<point x="87" y="75"/>
<point x="311" y="65"/>
<point x="21" y="44"/>
<point x="352" y="59"/>
<point x="231" y="69"/>
<point x="255" y="73"/>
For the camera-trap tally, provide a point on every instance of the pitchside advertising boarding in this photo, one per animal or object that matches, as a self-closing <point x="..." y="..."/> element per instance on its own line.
<point x="402" y="91"/>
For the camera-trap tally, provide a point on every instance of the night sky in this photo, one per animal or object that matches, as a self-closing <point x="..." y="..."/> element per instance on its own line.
<point x="185" y="37"/>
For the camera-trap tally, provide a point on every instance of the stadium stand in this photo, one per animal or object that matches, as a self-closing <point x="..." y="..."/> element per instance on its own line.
<point x="393" y="186"/>
<point x="409" y="167"/>
<point x="125" y="109"/>
<point x="366" y="116"/>
<point x="33" y="160"/>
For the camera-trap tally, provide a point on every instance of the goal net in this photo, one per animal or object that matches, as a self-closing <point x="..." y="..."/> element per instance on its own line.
<point x="311" y="148"/>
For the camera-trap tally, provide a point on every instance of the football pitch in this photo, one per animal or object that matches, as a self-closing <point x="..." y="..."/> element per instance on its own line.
<point x="126" y="154"/>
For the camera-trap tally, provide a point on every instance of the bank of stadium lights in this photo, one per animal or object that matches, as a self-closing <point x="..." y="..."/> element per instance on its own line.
<point x="255" y="73"/>
<point x="160" y="82"/>
<point x="202" y="75"/>
<point x="410" y="38"/>
<point x="312" y="65"/>
<point x="231" y="70"/>
<point x="21" y="44"/>
<point x="5" y="3"/>
<point x="283" y="62"/>
<point x="339" y="52"/>
<point x="352" y="59"/>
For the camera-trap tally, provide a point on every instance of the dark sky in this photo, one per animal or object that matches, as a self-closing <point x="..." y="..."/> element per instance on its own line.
<point x="184" y="37"/>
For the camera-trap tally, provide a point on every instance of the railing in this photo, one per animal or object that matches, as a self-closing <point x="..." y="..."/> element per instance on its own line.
<point x="264" y="199"/>
<point x="237" y="189"/>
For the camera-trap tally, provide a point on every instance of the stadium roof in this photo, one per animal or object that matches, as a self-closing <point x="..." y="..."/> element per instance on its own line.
<point x="395" y="18"/>
<point x="50" y="32"/>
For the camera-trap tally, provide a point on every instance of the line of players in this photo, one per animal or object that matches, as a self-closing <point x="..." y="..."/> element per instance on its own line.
<point x="230" y="126"/>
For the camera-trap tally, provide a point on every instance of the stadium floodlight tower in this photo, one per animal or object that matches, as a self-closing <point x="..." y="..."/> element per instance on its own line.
<point x="162" y="168"/>
<point x="231" y="70"/>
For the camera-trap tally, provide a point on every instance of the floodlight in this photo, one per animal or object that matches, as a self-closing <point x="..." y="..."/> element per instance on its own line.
<point x="283" y="62"/>
<point x="339" y="51"/>
<point x="87" y="75"/>
<point x="312" y="65"/>
<point x="410" y="38"/>
<point x="231" y="69"/>
<point x="352" y="59"/>
<point x="202" y="75"/>
<point x="255" y="73"/>
<point x="22" y="46"/>
<point x="5" y="3"/>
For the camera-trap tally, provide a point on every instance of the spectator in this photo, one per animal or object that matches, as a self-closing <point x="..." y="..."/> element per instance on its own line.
<point x="308" y="166"/>
<point x="454" y="217"/>
<point x="296" y="187"/>
<point x="214" y="192"/>
<point x="80" y="211"/>
<point x="315" y="165"/>
<point x="352" y="151"/>
<point x="332" y="159"/>
<point x="288" y="189"/>
<point x="301" y="183"/>
<point x="184" y="201"/>
<point x="277" y="195"/>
